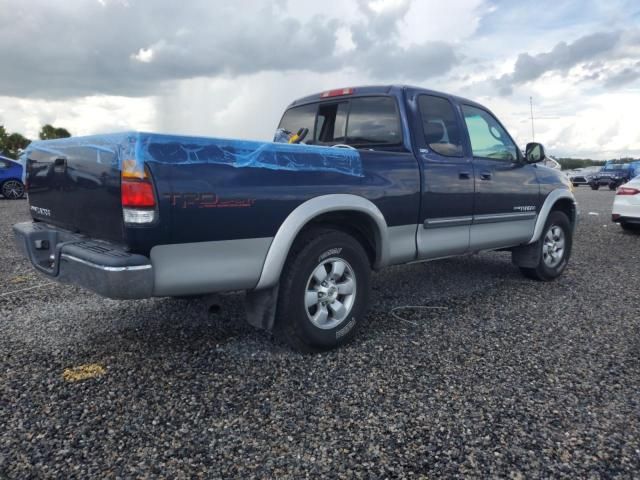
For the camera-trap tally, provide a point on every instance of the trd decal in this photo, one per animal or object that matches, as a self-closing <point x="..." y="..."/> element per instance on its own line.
<point x="45" y="212"/>
<point x="525" y="208"/>
<point x="206" y="200"/>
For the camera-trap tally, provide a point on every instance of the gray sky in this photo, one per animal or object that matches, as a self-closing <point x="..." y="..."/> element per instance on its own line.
<point x="229" y="68"/>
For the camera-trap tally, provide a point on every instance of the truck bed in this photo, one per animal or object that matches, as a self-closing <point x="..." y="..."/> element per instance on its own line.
<point x="74" y="183"/>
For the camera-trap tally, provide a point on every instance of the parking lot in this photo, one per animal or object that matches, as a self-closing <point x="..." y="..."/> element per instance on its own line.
<point x="508" y="377"/>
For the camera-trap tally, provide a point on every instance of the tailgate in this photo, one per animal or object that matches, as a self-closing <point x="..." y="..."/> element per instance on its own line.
<point x="74" y="183"/>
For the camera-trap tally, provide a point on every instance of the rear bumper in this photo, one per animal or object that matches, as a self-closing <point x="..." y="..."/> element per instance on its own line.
<point x="626" y="209"/>
<point x="102" y="267"/>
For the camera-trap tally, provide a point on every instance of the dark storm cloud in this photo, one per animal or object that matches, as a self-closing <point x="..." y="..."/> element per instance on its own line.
<point x="380" y="53"/>
<point x="563" y="57"/>
<point x="74" y="48"/>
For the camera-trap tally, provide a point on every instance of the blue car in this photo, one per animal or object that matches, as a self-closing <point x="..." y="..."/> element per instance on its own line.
<point x="11" y="185"/>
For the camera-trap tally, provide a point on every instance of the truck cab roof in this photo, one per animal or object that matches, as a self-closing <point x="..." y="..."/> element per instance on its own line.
<point x="366" y="90"/>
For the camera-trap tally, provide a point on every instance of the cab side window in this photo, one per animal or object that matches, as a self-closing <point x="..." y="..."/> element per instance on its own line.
<point x="488" y="138"/>
<point x="440" y="126"/>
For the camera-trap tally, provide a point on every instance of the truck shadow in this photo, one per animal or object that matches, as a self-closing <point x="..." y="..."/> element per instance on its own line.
<point x="191" y="326"/>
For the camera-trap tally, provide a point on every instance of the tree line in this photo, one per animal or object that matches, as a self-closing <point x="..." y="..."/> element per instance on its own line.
<point x="11" y="144"/>
<point x="574" y="163"/>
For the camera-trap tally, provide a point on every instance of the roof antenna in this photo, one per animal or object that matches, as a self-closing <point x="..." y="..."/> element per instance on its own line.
<point x="533" y="133"/>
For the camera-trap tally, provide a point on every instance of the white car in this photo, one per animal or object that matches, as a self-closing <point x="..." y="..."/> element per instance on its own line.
<point x="626" y="206"/>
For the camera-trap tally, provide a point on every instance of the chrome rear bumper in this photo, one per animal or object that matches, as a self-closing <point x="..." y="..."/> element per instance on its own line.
<point x="102" y="267"/>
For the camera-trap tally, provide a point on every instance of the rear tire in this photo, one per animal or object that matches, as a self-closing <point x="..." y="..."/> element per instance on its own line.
<point x="324" y="291"/>
<point x="555" y="245"/>
<point x="12" y="189"/>
<point x="630" y="227"/>
<point x="594" y="186"/>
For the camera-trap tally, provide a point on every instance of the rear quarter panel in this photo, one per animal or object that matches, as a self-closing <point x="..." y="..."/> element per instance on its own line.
<point x="208" y="201"/>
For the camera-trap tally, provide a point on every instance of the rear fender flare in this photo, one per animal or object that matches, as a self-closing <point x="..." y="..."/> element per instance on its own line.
<point x="306" y="212"/>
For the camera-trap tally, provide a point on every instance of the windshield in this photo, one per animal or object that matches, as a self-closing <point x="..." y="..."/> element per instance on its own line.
<point x="614" y="166"/>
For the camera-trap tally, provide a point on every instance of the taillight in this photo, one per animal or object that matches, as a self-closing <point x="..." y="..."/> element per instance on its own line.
<point x="627" y="191"/>
<point x="136" y="193"/>
<point x="337" y="93"/>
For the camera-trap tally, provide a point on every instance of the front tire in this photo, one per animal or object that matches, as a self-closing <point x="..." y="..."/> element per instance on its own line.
<point x="594" y="186"/>
<point x="13" y="189"/>
<point x="324" y="291"/>
<point x="630" y="227"/>
<point x="555" y="245"/>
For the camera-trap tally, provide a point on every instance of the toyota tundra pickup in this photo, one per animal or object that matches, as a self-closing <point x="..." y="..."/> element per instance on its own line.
<point x="374" y="176"/>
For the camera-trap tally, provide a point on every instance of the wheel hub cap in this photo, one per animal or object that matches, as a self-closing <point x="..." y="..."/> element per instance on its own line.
<point x="553" y="246"/>
<point x="330" y="293"/>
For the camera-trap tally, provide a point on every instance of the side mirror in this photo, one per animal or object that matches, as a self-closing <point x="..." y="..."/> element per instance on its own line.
<point x="534" y="152"/>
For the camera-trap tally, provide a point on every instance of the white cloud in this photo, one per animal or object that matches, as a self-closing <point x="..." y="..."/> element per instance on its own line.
<point x="144" y="55"/>
<point x="81" y="116"/>
<point x="435" y="20"/>
<point x="247" y="107"/>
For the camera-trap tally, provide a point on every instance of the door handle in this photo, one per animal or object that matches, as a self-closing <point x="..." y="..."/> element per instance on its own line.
<point x="485" y="175"/>
<point x="464" y="175"/>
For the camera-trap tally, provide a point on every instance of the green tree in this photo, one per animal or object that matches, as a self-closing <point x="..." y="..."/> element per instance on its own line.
<point x="14" y="144"/>
<point x="3" y="140"/>
<point x="573" y="163"/>
<point x="49" y="132"/>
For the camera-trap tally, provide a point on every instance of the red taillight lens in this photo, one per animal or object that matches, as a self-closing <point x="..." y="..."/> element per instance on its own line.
<point x="137" y="193"/>
<point x="627" y="191"/>
<point x="337" y="93"/>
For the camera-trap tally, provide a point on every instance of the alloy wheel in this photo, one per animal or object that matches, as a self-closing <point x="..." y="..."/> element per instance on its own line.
<point x="12" y="189"/>
<point x="330" y="293"/>
<point x="553" y="246"/>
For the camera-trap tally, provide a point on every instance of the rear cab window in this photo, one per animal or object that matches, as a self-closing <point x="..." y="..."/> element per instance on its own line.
<point x="360" y="122"/>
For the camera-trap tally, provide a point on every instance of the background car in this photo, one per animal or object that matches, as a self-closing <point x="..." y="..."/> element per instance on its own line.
<point x="613" y="175"/>
<point x="581" y="176"/>
<point x="578" y="177"/>
<point x="626" y="205"/>
<point x="11" y="174"/>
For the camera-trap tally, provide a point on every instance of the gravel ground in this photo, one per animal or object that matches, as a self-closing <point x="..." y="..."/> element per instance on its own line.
<point x="512" y="378"/>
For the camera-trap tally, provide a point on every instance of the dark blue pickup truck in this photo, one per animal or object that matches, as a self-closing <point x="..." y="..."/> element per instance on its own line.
<point x="376" y="176"/>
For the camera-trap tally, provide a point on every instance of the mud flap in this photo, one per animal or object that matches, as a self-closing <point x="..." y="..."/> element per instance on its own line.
<point x="260" y="306"/>
<point x="527" y="256"/>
